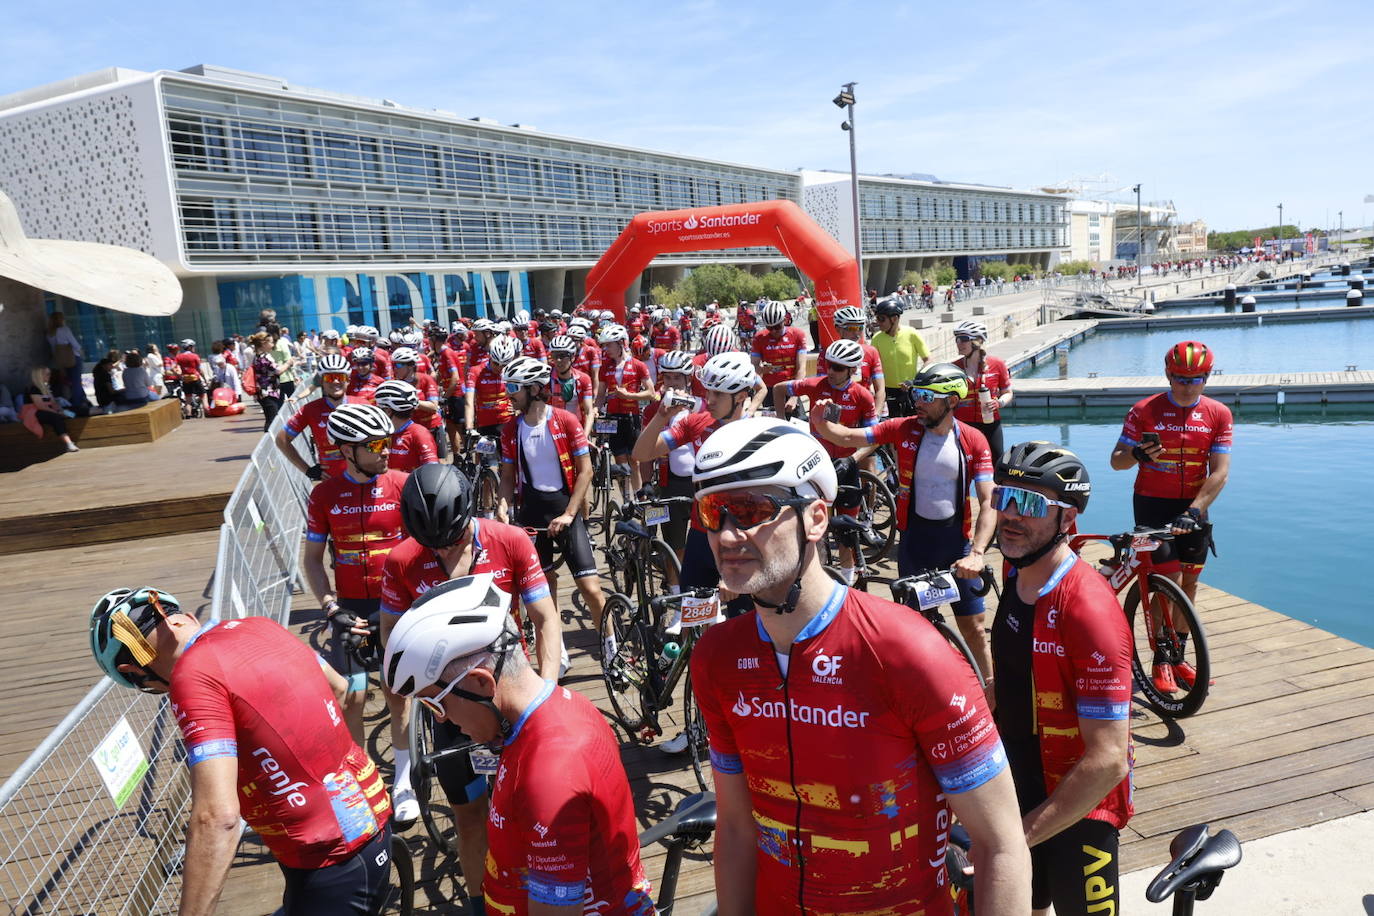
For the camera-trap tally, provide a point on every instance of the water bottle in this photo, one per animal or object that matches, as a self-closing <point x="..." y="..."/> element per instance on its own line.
<point x="985" y="405"/>
<point x="669" y="654"/>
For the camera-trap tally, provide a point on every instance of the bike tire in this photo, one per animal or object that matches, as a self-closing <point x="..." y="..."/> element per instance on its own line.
<point x="400" y="899"/>
<point x="626" y="673"/>
<point x="613" y="511"/>
<point x="698" y="750"/>
<point x="1183" y="703"/>
<point x="435" y="812"/>
<point x="662" y="569"/>
<point x="879" y="510"/>
<point x="955" y="638"/>
<point x="486" y="492"/>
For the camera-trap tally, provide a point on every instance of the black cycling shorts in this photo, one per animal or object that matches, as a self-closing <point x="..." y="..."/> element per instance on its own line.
<point x="1159" y="511"/>
<point x="337" y="652"/>
<point x="537" y="509"/>
<point x="453" y="410"/>
<point x="358" y="886"/>
<point x="460" y="782"/>
<point x="627" y="427"/>
<point x="193" y="386"/>
<point x="674" y="531"/>
<point x="1078" y="870"/>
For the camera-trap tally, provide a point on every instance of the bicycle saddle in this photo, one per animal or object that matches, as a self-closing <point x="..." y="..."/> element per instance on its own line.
<point x="1198" y="860"/>
<point x="632" y="529"/>
<point x="695" y="818"/>
<point x="846" y="523"/>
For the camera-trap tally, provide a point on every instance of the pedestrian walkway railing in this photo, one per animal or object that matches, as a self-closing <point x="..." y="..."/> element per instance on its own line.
<point x="94" y="820"/>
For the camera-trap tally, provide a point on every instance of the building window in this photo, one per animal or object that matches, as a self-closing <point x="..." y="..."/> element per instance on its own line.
<point x="344" y="159"/>
<point x="517" y="173"/>
<point x="561" y="180"/>
<point x="417" y="230"/>
<point x="353" y="229"/>
<point x="197" y="143"/>
<point x="600" y="184"/>
<point x="414" y="166"/>
<point x="468" y="171"/>
<point x="279" y="151"/>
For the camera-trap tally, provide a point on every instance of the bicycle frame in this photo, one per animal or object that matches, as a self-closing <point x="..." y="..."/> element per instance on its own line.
<point x="1131" y="562"/>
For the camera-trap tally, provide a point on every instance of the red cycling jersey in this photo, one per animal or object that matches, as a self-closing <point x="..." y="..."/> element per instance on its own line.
<point x="994" y="379"/>
<point x="503" y="550"/>
<point x="314" y="415"/>
<point x="571" y="394"/>
<point x="630" y="374"/>
<point x="428" y="390"/>
<point x="777" y="354"/>
<point x="561" y="828"/>
<point x="588" y="359"/>
<point x="382" y="358"/>
<point x="362" y="522"/>
<point x="745" y="319"/>
<point x="698" y="361"/>
<point x="905" y="433"/>
<point x="363" y="387"/>
<point x="533" y="347"/>
<point x="251" y="690"/>
<point x="849" y="751"/>
<point x="870" y="370"/>
<point x="1190" y="436"/>
<point x="452" y="370"/>
<point x="411" y="446"/>
<point x="188" y="364"/>
<point x="690" y="429"/>
<point x="666" y="337"/>
<point x="422" y="363"/>
<point x="487" y="393"/>
<point x="858" y="409"/>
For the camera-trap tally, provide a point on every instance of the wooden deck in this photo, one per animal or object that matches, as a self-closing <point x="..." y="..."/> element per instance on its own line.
<point x="19" y="448"/>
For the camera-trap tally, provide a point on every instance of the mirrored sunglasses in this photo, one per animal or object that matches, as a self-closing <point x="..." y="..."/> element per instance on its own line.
<point x="744" y="509"/>
<point x="1029" y="504"/>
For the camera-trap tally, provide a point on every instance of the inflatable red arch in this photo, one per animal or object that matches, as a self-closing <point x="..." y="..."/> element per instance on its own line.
<point x="780" y="224"/>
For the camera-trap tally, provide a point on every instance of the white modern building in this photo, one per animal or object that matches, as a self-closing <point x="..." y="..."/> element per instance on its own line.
<point x="341" y="210"/>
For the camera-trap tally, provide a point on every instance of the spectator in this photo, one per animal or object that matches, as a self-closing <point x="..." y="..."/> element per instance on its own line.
<point x="285" y="358"/>
<point x="226" y="375"/>
<point x="266" y="371"/>
<point x="106" y="395"/>
<point x="44" y="408"/>
<point x="67" y="359"/>
<point x="138" y="390"/>
<point x="153" y="363"/>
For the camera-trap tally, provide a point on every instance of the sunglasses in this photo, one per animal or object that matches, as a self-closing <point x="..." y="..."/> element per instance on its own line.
<point x="375" y="446"/>
<point x="1029" y="504"/>
<point x="335" y="377"/>
<point x="512" y="388"/>
<point x="964" y="338"/>
<point x="743" y="509"/>
<point x="435" y="704"/>
<point x="926" y="396"/>
<point x="1189" y="379"/>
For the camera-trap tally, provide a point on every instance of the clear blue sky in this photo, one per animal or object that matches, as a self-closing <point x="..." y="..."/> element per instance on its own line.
<point x="1225" y="108"/>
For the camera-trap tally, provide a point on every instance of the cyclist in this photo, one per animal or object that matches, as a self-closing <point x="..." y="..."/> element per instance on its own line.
<point x="527" y="335"/>
<point x="314" y="415"/>
<point x="855" y="410"/>
<point x="622" y="388"/>
<point x="778" y="351"/>
<point x="664" y="336"/>
<point x="450" y="372"/>
<point x="446" y="542"/>
<point x="411" y="443"/>
<point x="903" y="353"/>
<point x="588" y="357"/>
<point x="818" y="670"/>
<point x="674" y="478"/>
<point x="684" y="325"/>
<point x="362" y="381"/>
<point x="488" y="406"/>
<point x="372" y="339"/>
<point x="545" y="461"/>
<point x="264" y="741"/>
<point x="990" y="383"/>
<point x="938" y="460"/>
<point x="358" y="515"/>
<point x="851" y="321"/>
<point x="570" y="388"/>
<point x="713" y="343"/>
<point x="1063" y="650"/>
<point x="407" y="364"/>
<point x="562" y="828"/>
<point x="1179" y="442"/>
<point x="192" y="374"/>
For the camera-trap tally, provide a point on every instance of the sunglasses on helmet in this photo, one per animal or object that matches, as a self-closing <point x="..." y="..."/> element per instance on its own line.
<point x="744" y="509"/>
<point x="1029" y="504"/>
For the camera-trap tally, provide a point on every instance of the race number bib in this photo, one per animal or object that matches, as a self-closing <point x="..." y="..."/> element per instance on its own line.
<point x="1141" y="544"/>
<point x="699" y="612"/>
<point x="656" y="515"/>
<point x="606" y="426"/>
<point x="483" y="761"/>
<point x="486" y="446"/>
<point x="933" y="594"/>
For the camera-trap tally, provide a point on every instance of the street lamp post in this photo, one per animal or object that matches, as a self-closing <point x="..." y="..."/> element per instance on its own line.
<point x="1340" y="233"/>
<point x="1278" y="233"/>
<point x="1139" y="236"/>
<point x="845" y="100"/>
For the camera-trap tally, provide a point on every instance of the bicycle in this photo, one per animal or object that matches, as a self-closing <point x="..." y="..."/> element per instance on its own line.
<point x="1156" y="631"/>
<point x="689" y="827"/>
<point x="926" y="591"/>
<point x="605" y="473"/>
<point x="632" y="547"/>
<point x="191" y="404"/>
<point x="1198" y="864"/>
<point x="400" y="897"/>
<point x="653" y="647"/>
<point x="476" y="462"/>
<point x="870" y="532"/>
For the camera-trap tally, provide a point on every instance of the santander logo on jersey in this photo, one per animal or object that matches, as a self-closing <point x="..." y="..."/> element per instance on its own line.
<point x="835" y="717"/>
<point x="336" y="509"/>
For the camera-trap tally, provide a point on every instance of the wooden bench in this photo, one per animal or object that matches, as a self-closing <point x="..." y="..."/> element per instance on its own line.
<point x="19" y="448"/>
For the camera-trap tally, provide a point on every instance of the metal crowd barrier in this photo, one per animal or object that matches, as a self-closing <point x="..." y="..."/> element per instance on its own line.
<point x="86" y="825"/>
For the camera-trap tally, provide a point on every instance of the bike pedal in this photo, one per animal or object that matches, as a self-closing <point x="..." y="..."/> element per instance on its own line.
<point x="648" y="734"/>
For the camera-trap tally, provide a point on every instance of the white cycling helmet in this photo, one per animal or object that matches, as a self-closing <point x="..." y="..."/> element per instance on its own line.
<point x="718" y="339"/>
<point x="972" y="329"/>
<point x="503" y="327"/>
<point x="361" y="355"/>
<point x="712" y="308"/>
<point x="613" y="334"/>
<point x="849" y="316"/>
<point x="396" y="338"/>
<point x="412" y="339"/>
<point x="607" y="315"/>
<point x="333" y="363"/>
<point x="774" y="314"/>
<point x="352" y="330"/>
<point x="462" y="618"/>
<point x="370" y="332"/>
<point x="728" y="373"/>
<point x="405" y="356"/>
<point x="522" y="317"/>
<point x="676" y="361"/>
<point x="577" y="333"/>
<point x="188" y="344"/>
<point x="580" y="322"/>
<point x="397" y="395"/>
<point x="845" y="353"/>
<point x="358" y="423"/>
<point x="329" y="334"/>
<point x="482" y="324"/>
<point x="764" y="451"/>
<point x="564" y="343"/>
<point x="503" y="349"/>
<point x="526" y="371"/>
<point x="660" y="315"/>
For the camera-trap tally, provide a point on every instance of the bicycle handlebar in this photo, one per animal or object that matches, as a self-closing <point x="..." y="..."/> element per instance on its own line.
<point x="904" y="587"/>
<point x="661" y="602"/>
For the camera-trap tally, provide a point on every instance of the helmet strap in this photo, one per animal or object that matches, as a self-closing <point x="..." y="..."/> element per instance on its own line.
<point x="789" y="603"/>
<point x="1031" y="558"/>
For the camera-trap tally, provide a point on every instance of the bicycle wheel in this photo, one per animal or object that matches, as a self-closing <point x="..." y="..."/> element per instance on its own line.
<point x="613" y="511"/>
<point x="434" y="808"/>
<point x="662" y="570"/>
<point x="698" y="750"/>
<point x="400" y="898"/>
<point x="879" y="511"/>
<point x="627" y="671"/>
<point x="486" y="490"/>
<point x="956" y="638"/>
<point x="1176" y="649"/>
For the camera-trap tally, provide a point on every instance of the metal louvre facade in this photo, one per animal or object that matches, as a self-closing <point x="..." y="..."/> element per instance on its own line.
<point x="908" y="218"/>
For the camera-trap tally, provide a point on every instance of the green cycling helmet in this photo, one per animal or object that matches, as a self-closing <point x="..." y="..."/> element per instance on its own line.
<point x="943" y="378"/>
<point x="120" y="624"/>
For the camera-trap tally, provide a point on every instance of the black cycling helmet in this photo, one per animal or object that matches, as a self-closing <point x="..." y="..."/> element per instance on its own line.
<point x="1044" y="464"/>
<point x="436" y="505"/>
<point x="887" y="307"/>
<point x="943" y="378"/>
